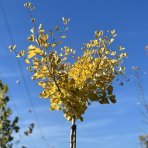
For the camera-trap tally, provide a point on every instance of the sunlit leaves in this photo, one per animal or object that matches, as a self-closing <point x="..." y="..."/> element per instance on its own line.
<point x="12" y="47"/>
<point x="63" y="36"/>
<point x="31" y="38"/>
<point x="98" y="33"/>
<point x="111" y="40"/>
<point x="113" y="33"/>
<point x="21" y="54"/>
<point x="113" y="53"/>
<point x="53" y="45"/>
<point x="29" y="6"/>
<point x="72" y="85"/>
<point x="27" y="61"/>
<point x="56" y="28"/>
<point x="33" y="51"/>
<point x="65" y="20"/>
<point x="121" y="48"/>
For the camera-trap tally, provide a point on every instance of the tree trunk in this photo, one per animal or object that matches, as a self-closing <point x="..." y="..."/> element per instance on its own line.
<point x="73" y="134"/>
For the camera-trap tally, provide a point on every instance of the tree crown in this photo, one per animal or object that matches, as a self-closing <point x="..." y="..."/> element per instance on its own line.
<point x="72" y="86"/>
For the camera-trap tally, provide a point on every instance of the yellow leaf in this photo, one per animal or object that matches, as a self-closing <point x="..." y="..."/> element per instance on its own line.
<point x="125" y="55"/>
<point x="56" y="28"/>
<point x="21" y="54"/>
<point x="113" y="31"/>
<point x="42" y="31"/>
<point x="64" y="58"/>
<point x="113" y="53"/>
<point x="100" y="33"/>
<point x="67" y="117"/>
<point x="27" y="61"/>
<point x="31" y="38"/>
<point x="63" y="36"/>
<point x="121" y="48"/>
<point x="96" y="34"/>
<point x="59" y="42"/>
<point x="33" y="50"/>
<point x="111" y="40"/>
<point x="43" y="84"/>
<point x="53" y="44"/>
<point x="57" y="107"/>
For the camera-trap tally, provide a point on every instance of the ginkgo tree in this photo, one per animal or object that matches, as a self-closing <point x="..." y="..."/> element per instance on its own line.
<point x="72" y="85"/>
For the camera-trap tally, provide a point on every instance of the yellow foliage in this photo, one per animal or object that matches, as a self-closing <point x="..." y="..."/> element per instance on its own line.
<point x="33" y="51"/>
<point x="27" y="61"/>
<point x="72" y="85"/>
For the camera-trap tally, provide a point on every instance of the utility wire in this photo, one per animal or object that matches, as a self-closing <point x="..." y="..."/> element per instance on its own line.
<point x="22" y="75"/>
<point x="17" y="112"/>
<point x="15" y="106"/>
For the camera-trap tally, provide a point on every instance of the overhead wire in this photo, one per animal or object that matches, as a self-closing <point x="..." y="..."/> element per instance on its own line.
<point x="17" y="112"/>
<point x="23" y="77"/>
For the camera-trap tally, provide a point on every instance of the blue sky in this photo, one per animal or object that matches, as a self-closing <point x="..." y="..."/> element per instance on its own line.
<point x="107" y="126"/>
